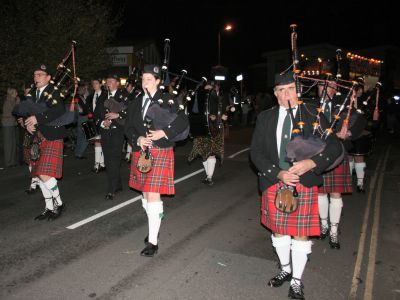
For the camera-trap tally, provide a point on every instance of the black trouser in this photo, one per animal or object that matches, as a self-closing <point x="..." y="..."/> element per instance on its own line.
<point x="111" y="142"/>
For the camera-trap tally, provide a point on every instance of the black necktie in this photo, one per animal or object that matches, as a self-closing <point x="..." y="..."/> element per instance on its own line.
<point x="327" y="112"/>
<point x="285" y="138"/>
<point x="37" y="95"/>
<point x="144" y="106"/>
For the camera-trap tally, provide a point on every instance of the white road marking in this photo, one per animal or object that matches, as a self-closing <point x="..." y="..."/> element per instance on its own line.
<point x="237" y="153"/>
<point x="361" y="243"/>
<point x="130" y="201"/>
<point x="369" y="282"/>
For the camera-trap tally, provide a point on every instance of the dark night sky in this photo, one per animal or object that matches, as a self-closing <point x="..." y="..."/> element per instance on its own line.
<point x="193" y="32"/>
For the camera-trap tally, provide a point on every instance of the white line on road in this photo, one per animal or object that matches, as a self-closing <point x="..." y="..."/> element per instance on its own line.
<point x="369" y="282"/>
<point x="361" y="243"/>
<point x="130" y="201"/>
<point x="237" y="153"/>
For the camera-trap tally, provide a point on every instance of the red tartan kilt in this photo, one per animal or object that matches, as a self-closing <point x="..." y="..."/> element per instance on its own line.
<point x="303" y="222"/>
<point x="161" y="177"/>
<point x="338" y="180"/>
<point x="51" y="159"/>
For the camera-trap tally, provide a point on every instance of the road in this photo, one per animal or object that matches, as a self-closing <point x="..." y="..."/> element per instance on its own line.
<point x="212" y="245"/>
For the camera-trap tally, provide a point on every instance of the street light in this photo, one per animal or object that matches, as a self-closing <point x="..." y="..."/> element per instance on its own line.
<point x="228" y="27"/>
<point x="239" y="78"/>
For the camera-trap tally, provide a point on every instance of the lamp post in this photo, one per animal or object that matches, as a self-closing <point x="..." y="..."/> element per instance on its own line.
<point x="228" y="27"/>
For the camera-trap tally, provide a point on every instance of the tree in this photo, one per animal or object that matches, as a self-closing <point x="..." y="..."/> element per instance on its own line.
<point x="35" y="32"/>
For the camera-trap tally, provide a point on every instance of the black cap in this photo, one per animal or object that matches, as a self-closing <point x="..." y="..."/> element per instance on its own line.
<point x="286" y="78"/>
<point x="113" y="76"/>
<point x="44" y="68"/>
<point x="152" y="69"/>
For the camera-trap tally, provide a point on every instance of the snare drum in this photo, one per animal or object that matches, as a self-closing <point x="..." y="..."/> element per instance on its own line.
<point x="90" y="130"/>
<point x="363" y="145"/>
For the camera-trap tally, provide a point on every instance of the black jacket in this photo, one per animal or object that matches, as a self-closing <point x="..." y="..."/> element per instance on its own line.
<point x="135" y="126"/>
<point x="89" y="100"/>
<point x="56" y="108"/>
<point x="264" y="152"/>
<point x="100" y="111"/>
<point x="357" y="121"/>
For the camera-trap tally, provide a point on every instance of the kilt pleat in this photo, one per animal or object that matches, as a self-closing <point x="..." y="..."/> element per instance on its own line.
<point x="51" y="158"/>
<point x="303" y="222"/>
<point x="160" y="179"/>
<point x="337" y="180"/>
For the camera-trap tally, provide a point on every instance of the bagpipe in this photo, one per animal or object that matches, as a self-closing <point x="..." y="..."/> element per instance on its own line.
<point x="303" y="146"/>
<point x="61" y="85"/>
<point x="163" y="111"/>
<point x="111" y="104"/>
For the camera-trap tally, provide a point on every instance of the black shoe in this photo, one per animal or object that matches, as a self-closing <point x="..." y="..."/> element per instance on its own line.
<point x="44" y="215"/>
<point x="54" y="214"/>
<point x="296" y="290"/>
<point x="110" y="196"/>
<point x="360" y="189"/>
<point x="149" y="250"/>
<point x="334" y="241"/>
<point x="31" y="191"/>
<point x="324" y="232"/>
<point x="204" y="180"/>
<point x="127" y="159"/>
<point x="210" y="182"/>
<point x="102" y="168"/>
<point x="96" y="170"/>
<point x="279" y="279"/>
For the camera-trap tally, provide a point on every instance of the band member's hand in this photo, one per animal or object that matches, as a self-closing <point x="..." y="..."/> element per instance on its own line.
<point x="111" y="116"/>
<point x="31" y="121"/>
<point x="208" y="87"/>
<point x="155" y="135"/>
<point x="224" y="117"/>
<point x="288" y="178"/>
<point x="144" y="142"/>
<point x="21" y="122"/>
<point x="213" y="117"/>
<point x="301" y="167"/>
<point x="31" y="128"/>
<point x="107" y="123"/>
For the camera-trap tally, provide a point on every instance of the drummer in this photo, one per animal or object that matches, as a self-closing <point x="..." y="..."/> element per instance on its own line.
<point x="98" y="95"/>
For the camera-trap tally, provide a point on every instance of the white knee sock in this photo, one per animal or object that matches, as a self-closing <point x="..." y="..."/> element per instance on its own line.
<point x="351" y="164"/>
<point x="300" y="250"/>
<point x="211" y="161"/>
<point x="48" y="198"/>
<point x="144" y="204"/>
<point x="282" y="247"/>
<point x="52" y="186"/>
<point x="97" y="156"/>
<point x="335" y="210"/>
<point x="323" y="208"/>
<point x="101" y="157"/>
<point x="128" y="151"/>
<point x="155" y="213"/>
<point x="205" y="167"/>
<point x="360" y="171"/>
<point x="34" y="182"/>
